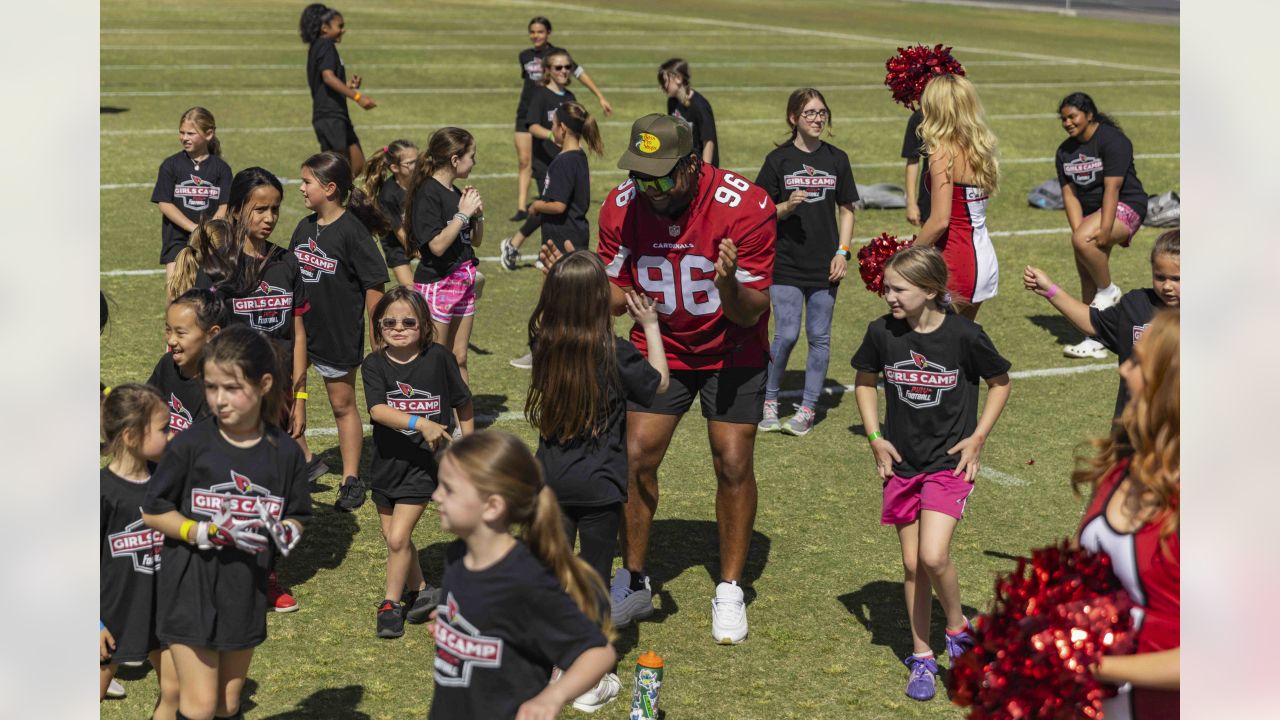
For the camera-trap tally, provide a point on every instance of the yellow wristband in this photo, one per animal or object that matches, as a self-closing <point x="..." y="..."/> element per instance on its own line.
<point x="356" y="97"/>
<point x="186" y="528"/>
<point x="106" y="391"/>
<point x="301" y="395"/>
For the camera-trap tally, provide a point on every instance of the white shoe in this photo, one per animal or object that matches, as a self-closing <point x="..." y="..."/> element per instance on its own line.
<point x="602" y="694"/>
<point x="524" y="362"/>
<point x="728" y="615"/>
<point x="1103" y="299"/>
<point x="115" y="689"/>
<point x="1088" y="348"/>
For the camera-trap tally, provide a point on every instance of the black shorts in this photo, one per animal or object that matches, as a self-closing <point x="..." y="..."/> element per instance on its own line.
<point x="169" y="250"/>
<point x="381" y="499"/>
<point x="733" y="395"/>
<point x="336" y="134"/>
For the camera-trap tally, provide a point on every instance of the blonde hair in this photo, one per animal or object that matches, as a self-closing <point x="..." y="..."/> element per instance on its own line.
<point x="204" y="122"/>
<point x="207" y="248"/>
<point x="924" y="267"/>
<point x="955" y="123"/>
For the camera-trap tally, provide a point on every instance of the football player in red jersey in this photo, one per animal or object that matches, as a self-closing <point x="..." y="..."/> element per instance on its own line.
<point x="699" y="241"/>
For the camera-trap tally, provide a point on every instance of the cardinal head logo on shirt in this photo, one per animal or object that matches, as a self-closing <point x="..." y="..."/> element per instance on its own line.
<point x="919" y="359"/>
<point x="1083" y="169"/>
<point x="179" y="415"/>
<point x="406" y="389"/>
<point x="313" y="262"/>
<point x="461" y="648"/>
<point x="920" y="382"/>
<point x="812" y="180"/>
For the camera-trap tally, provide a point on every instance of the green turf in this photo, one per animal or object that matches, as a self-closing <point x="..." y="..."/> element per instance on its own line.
<point x="828" y="622"/>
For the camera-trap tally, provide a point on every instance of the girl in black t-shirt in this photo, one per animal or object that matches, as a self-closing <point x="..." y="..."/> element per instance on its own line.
<point x="386" y="180"/>
<point x="412" y="387"/>
<point x="929" y="454"/>
<point x="135" y="422"/>
<point x="191" y="186"/>
<point x="532" y="67"/>
<point x="192" y="320"/>
<point x="322" y="28"/>
<point x="566" y="188"/>
<point x="691" y="106"/>
<point x="204" y="262"/>
<point x="1104" y="201"/>
<point x="545" y="98"/>
<point x="511" y="608"/>
<point x="338" y="259"/>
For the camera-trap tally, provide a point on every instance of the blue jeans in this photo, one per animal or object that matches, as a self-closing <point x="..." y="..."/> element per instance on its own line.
<point x="788" y="305"/>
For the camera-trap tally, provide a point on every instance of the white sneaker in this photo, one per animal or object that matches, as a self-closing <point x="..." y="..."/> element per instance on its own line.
<point x="1088" y="348"/>
<point x="602" y="694"/>
<point x="1103" y="299"/>
<point x="524" y="362"/>
<point x="115" y="689"/>
<point x="728" y="615"/>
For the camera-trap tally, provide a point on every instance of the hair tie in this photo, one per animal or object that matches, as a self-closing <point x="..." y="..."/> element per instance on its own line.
<point x="946" y="298"/>
<point x="384" y="149"/>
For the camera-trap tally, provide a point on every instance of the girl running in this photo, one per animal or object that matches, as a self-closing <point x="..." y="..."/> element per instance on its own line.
<point x="207" y="497"/>
<point x="413" y="387"/>
<point x="1133" y="518"/>
<point x="191" y="186"/>
<point x="930" y="451"/>
<point x="192" y="320"/>
<point x="963" y="174"/>
<point x="443" y="225"/>
<point x="689" y="105"/>
<point x="344" y="278"/>
<point x="532" y="69"/>
<point x="566" y="190"/>
<point x="322" y="28"/>
<point x="1104" y="201"/>
<point x="203" y="262"/>
<point x="1118" y="327"/>
<point x="135" y="424"/>
<point x="386" y="180"/>
<point x="811" y="183"/>
<point x="583" y="377"/>
<point x="528" y="596"/>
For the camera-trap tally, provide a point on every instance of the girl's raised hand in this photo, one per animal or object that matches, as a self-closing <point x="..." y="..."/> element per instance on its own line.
<point x="970" y="450"/>
<point x="642" y="309"/>
<point x="727" y="263"/>
<point x="469" y="203"/>
<point x="606" y="107"/>
<point x="550" y="254"/>
<point x="435" y="434"/>
<point x="885" y="455"/>
<point x="354" y="82"/>
<point x="1036" y="280"/>
<point x="366" y="102"/>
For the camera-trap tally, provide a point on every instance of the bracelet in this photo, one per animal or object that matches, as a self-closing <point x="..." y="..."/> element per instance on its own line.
<point x="413" y="421"/>
<point x="874" y="436"/>
<point x="465" y="218"/>
<point x="301" y="395"/>
<point x="356" y="97"/>
<point x="844" y="252"/>
<point x="1053" y="290"/>
<point x="106" y="391"/>
<point x="101" y="626"/>
<point x="186" y="528"/>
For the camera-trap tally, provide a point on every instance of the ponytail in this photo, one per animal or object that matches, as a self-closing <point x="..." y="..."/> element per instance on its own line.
<point x="378" y="171"/>
<point x="207" y="250"/>
<point x="330" y="167"/>
<point x="314" y="16"/>
<point x="545" y="536"/>
<point x="578" y="121"/>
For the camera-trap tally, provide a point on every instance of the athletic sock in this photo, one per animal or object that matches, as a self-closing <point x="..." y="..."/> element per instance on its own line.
<point x="638" y="578"/>
<point x="967" y="627"/>
<point x="731" y="582"/>
<point x="924" y="655"/>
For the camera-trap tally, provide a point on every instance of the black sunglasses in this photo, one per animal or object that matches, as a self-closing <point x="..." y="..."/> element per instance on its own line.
<point x="561" y="67"/>
<point x="407" y="323"/>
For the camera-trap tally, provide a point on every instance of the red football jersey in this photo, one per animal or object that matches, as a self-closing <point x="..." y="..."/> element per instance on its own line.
<point x="672" y="260"/>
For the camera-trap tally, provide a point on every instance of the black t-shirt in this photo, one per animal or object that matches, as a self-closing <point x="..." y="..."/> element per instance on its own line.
<point x="434" y="206"/>
<point x="593" y="471"/>
<point x="130" y="559"/>
<point x="913" y="148"/>
<point x="429" y="386"/>
<point x="325" y="101"/>
<point x="931" y="386"/>
<point x="278" y="295"/>
<point x="218" y="598"/>
<point x="499" y="632"/>
<point x="1107" y="154"/>
<point x="391" y="202"/>
<point x="1120" y="326"/>
<point x="338" y="263"/>
<point x="531" y="69"/>
<point x="809" y="236"/>
<point x="701" y="120"/>
<point x="568" y="181"/>
<point x="542" y="108"/>
<point x="184" y="395"/>
<point x="196" y="192"/>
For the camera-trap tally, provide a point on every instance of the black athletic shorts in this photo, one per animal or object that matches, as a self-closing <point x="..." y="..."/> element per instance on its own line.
<point x="336" y="134"/>
<point x="733" y="395"/>
<point x="169" y="250"/>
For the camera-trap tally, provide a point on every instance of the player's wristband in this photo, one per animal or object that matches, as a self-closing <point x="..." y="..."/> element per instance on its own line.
<point x="101" y="626"/>
<point x="874" y="436"/>
<point x="301" y="395"/>
<point x="1053" y="290"/>
<point x="413" y="421"/>
<point x="356" y="97"/>
<point x="184" y="533"/>
<point x="465" y="218"/>
<point x="845" y="252"/>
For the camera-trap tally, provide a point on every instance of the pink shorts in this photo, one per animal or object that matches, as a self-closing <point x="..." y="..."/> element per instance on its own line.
<point x="943" y="491"/>
<point x="452" y="297"/>
<point x="1131" y="219"/>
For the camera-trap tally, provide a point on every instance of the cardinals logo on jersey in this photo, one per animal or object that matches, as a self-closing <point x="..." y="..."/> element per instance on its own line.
<point x="267" y="309"/>
<point x="140" y="544"/>
<point x="196" y="194"/>
<point x="460" y="648"/>
<point x="179" y="415"/>
<point x="1083" y="170"/>
<point x="406" y="398"/>
<point x="241" y="496"/>
<point x="920" y="383"/>
<point x="812" y="180"/>
<point x="313" y="262"/>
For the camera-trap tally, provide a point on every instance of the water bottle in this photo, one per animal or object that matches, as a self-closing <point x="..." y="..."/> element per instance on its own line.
<point x="644" y="699"/>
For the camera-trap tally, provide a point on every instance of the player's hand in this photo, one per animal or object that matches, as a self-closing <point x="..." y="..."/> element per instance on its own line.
<point x="886" y="455"/>
<point x="839" y="266"/>
<point x="797" y="197"/>
<point x="913" y="214"/>
<point x="431" y="622"/>
<point x="292" y="534"/>
<point x="224" y="530"/>
<point x="540" y="707"/>
<point x="727" y="263"/>
<point x="106" y="645"/>
<point x="298" y="418"/>
<point x="366" y="102"/>
<point x="533" y="210"/>
<point x="469" y="203"/>
<point x="606" y="107"/>
<point x="1036" y="280"/>
<point x="354" y="82"/>
<point x="642" y="309"/>
<point x="435" y="434"/>
<point x="550" y="254"/>
<point x="970" y="450"/>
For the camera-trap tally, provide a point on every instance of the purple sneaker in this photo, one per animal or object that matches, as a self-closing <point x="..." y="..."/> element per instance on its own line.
<point x="924" y="671"/>
<point x="959" y="643"/>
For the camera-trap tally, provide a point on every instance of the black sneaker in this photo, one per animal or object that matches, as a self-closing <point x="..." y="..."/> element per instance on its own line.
<point x="421" y="603"/>
<point x="350" y="494"/>
<point x="390" y="619"/>
<point x="520" y="216"/>
<point x="316" y="469"/>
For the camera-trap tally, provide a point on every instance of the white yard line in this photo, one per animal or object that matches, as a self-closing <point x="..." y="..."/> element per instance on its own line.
<point x="593" y="65"/>
<point x="1000" y="478"/>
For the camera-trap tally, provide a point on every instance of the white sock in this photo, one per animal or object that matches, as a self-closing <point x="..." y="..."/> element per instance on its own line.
<point x="1111" y="289"/>
<point x="924" y="655"/>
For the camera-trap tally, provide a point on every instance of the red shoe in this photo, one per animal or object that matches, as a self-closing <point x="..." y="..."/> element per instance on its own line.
<point x="280" y="600"/>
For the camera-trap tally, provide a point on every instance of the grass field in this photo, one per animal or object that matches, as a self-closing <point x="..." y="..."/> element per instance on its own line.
<point x="828" y="624"/>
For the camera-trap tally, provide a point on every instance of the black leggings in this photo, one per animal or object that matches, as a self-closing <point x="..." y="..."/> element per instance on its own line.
<point x="597" y="528"/>
<point x="534" y="222"/>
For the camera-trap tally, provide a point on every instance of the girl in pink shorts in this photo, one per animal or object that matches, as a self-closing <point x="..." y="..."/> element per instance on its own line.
<point x="930" y="450"/>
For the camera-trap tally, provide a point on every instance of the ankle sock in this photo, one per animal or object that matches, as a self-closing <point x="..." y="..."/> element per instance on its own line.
<point x="967" y="628"/>
<point x="638" y="578"/>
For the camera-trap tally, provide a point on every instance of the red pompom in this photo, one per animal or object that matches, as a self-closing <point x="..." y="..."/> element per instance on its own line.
<point x="913" y="67"/>
<point x="1051" y="620"/>
<point x="873" y="256"/>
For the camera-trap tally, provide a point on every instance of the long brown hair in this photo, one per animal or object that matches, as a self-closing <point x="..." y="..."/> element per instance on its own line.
<point x="497" y="463"/>
<point x="126" y="413"/>
<point x="240" y="346"/>
<point x="678" y="69"/>
<point x="795" y="105"/>
<point x="444" y="144"/>
<point x="571" y="336"/>
<point x="1147" y="432"/>
<point x="378" y="171"/>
